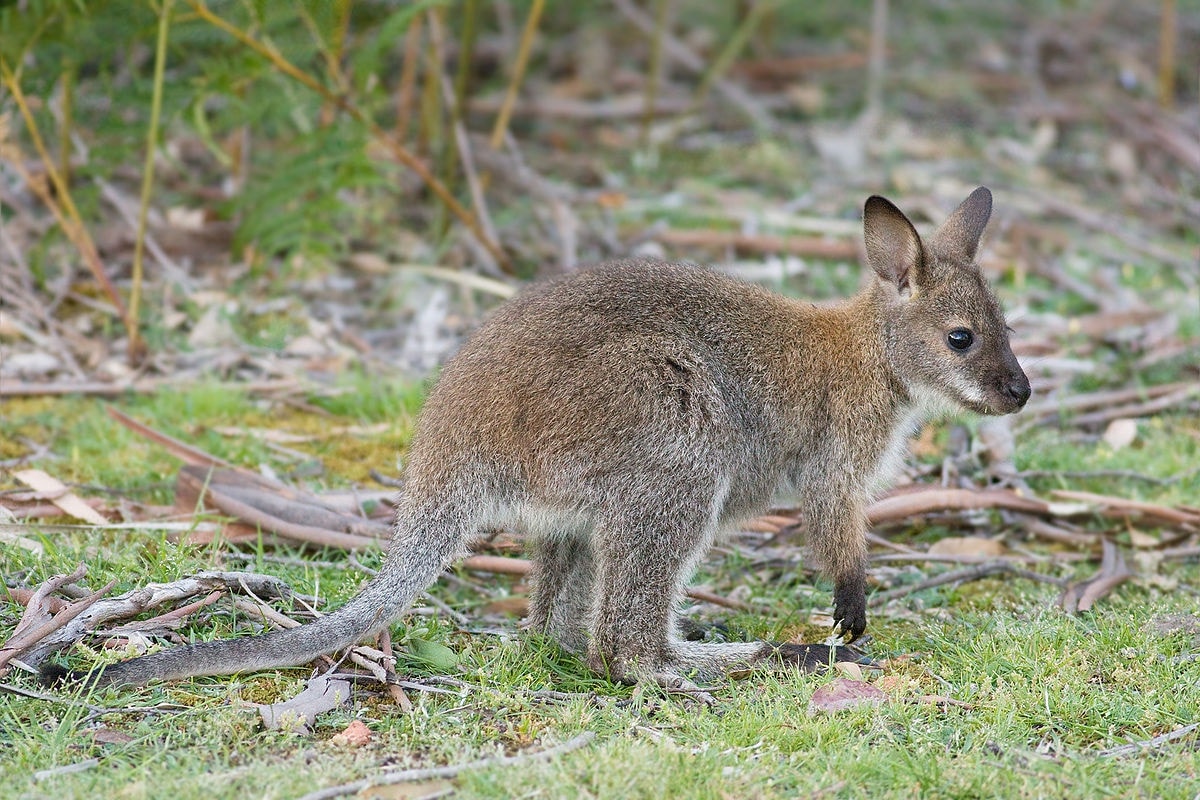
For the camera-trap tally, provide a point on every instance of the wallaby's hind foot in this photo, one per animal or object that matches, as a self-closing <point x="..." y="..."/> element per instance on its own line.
<point x="809" y="657"/>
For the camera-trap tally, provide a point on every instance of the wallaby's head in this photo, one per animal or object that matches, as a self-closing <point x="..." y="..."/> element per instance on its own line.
<point x="945" y="331"/>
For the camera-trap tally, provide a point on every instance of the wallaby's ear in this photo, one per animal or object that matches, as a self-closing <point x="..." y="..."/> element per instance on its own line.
<point x="893" y="247"/>
<point x="958" y="237"/>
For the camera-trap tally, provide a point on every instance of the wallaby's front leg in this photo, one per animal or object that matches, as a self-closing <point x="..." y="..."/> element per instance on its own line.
<point x="837" y="536"/>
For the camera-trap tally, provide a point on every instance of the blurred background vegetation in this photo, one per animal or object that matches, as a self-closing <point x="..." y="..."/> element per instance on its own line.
<point x="184" y="175"/>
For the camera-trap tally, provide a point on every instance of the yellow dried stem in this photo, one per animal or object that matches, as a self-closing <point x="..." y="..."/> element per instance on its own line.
<point x="518" y="73"/>
<point x="1166" y="55"/>
<point x="60" y="203"/>
<point x="139" y="246"/>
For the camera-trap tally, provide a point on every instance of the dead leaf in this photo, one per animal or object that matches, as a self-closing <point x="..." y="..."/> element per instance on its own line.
<point x="56" y="492"/>
<point x="414" y="790"/>
<point x="1120" y="433"/>
<point x="297" y="715"/>
<point x="110" y="736"/>
<point x="1143" y="540"/>
<point x="893" y="684"/>
<point x="356" y="734"/>
<point x="10" y="537"/>
<point x="849" y="669"/>
<point x="967" y="546"/>
<point x="370" y="263"/>
<point x="842" y="694"/>
<point x="214" y="329"/>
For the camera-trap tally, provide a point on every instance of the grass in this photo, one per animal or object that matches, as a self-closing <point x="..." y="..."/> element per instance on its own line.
<point x="1045" y="692"/>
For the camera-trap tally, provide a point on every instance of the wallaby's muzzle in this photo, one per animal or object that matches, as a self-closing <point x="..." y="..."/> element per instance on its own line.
<point x="1012" y="390"/>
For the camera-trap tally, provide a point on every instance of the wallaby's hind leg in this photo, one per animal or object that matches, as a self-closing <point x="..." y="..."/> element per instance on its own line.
<point x="642" y="565"/>
<point x="563" y="578"/>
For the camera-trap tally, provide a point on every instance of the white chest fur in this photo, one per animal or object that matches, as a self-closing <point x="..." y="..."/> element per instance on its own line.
<point x="926" y="405"/>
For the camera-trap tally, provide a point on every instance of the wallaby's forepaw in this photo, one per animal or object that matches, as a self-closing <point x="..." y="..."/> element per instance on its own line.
<point x="850" y="610"/>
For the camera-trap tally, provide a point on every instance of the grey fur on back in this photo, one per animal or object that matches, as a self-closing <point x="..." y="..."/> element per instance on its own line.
<point x="626" y="416"/>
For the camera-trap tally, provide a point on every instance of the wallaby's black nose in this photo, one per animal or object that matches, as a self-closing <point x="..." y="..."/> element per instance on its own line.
<point x="1018" y="389"/>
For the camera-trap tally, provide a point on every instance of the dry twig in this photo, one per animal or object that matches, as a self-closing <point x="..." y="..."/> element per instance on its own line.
<point x="985" y="570"/>
<point x="405" y="776"/>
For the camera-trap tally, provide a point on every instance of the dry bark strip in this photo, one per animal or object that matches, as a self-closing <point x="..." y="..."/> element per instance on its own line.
<point x="50" y="488"/>
<point x="38" y="610"/>
<point x="297" y="714"/>
<point x="275" y="508"/>
<point x="1122" y="508"/>
<point x="1083" y="595"/>
<point x="184" y="452"/>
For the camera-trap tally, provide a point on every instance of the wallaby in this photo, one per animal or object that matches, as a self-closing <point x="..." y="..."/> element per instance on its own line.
<point x="624" y="416"/>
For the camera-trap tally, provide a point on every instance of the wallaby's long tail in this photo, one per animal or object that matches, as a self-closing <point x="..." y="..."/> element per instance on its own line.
<point x="413" y="565"/>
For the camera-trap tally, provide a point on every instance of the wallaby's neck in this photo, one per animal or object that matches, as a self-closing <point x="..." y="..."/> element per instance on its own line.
<point x="872" y="309"/>
<point x="846" y="347"/>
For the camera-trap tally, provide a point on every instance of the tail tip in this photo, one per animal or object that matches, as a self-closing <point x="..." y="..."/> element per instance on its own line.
<point x="56" y="676"/>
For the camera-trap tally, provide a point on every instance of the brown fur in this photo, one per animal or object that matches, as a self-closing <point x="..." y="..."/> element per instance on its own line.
<point x="627" y="415"/>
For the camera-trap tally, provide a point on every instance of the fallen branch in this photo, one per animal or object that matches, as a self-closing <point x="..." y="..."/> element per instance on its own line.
<point x="985" y="570"/>
<point x="1139" y="409"/>
<point x="1057" y="533"/>
<point x="925" y="501"/>
<point x="171" y="619"/>
<point x="98" y="612"/>
<point x="1122" y="508"/>
<point x="10" y="388"/>
<point x="275" y="508"/>
<point x="965" y="558"/>
<point x="405" y="776"/>
<point x="1104" y="399"/>
<point x="1134" y="748"/>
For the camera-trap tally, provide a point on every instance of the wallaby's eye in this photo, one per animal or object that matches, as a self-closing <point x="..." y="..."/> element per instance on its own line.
<point x="960" y="338"/>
